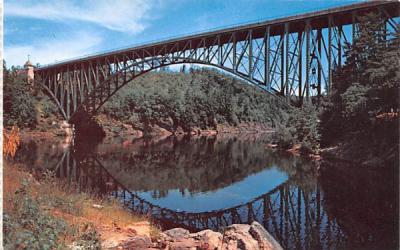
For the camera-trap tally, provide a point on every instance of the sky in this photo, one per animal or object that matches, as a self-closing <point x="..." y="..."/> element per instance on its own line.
<point x="51" y="31"/>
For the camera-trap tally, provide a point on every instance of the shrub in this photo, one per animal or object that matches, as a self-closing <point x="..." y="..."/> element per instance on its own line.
<point x="28" y="227"/>
<point x="90" y="239"/>
<point x="300" y="127"/>
<point x="354" y="100"/>
<point x="48" y="107"/>
<point x="11" y="142"/>
<point x="19" y="103"/>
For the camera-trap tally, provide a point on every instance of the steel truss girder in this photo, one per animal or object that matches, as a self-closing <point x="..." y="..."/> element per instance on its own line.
<point x="294" y="64"/>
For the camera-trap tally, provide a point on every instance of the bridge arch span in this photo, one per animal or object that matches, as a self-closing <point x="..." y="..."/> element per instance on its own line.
<point x="292" y="57"/>
<point x="91" y="86"/>
<point x="178" y="61"/>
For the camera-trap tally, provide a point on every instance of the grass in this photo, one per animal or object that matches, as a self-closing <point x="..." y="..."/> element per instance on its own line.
<point x="60" y="201"/>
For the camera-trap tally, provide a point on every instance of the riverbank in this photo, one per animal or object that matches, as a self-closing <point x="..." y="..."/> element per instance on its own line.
<point x="91" y="221"/>
<point x="115" y="128"/>
<point x="87" y="220"/>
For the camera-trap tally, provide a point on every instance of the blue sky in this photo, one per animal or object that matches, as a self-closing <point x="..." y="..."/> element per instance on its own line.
<point x="61" y="29"/>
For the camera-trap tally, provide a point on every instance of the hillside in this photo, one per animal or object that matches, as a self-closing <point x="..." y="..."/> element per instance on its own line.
<point x="198" y="100"/>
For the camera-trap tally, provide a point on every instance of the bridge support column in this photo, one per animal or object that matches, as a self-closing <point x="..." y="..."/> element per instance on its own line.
<point x="287" y="59"/>
<point x="266" y="58"/>
<point x="330" y="24"/>
<point x="308" y="61"/>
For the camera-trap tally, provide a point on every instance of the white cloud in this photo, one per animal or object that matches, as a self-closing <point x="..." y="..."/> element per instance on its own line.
<point x="44" y="52"/>
<point x="120" y="15"/>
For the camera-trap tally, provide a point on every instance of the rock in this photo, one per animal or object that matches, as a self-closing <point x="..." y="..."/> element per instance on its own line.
<point x="163" y="239"/>
<point x="237" y="236"/>
<point x="177" y="233"/>
<point x="265" y="240"/>
<point x="184" y="244"/>
<point x="65" y="124"/>
<point x="208" y="239"/>
<point x="97" y="206"/>
<point x="179" y="131"/>
<point x="131" y="230"/>
<point x="136" y="242"/>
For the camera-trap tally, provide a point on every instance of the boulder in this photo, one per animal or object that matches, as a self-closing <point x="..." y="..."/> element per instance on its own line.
<point x="136" y="242"/>
<point x="184" y="244"/>
<point x="237" y="236"/>
<point x="209" y="239"/>
<point x="265" y="240"/>
<point x="177" y="233"/>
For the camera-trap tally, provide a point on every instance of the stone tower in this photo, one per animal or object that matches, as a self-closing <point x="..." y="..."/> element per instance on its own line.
<point x="29" y="69"/>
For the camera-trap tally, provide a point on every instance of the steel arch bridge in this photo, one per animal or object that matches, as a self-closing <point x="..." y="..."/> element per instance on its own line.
<point x="292" y="58"/>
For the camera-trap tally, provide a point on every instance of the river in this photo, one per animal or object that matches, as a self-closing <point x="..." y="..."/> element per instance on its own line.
<point x="214" y="182"/>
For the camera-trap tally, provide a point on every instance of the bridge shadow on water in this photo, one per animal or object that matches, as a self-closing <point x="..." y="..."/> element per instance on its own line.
<point x="334" y="210"/>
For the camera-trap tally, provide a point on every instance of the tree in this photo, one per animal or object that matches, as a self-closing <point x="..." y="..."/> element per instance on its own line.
<point x="365" y="91"/>
<point x="367" y="85"/>
<point x="300" y="127"/>
<point x="19" y="103"/>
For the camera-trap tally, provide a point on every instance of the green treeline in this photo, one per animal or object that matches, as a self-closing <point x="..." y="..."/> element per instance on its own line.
<point x="200" y="98"/>
<point x="360" y="115"/>
<point x="24" y="104"/>
<point x="18" y="104"/>
<point x="362" y="111"/>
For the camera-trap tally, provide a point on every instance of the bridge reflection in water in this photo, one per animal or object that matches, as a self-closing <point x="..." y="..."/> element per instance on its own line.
<point x="292" y="212"/>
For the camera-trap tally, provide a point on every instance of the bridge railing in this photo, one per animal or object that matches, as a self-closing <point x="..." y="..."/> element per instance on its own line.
<point x="195" y="33"/>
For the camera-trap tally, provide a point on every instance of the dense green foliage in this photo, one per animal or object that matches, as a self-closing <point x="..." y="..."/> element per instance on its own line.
<point x="201" y="99"/>
<point x="366" y="92"/>
<point x="301" y="127"/>
<point x="367" y="85"/>
<point x="24" y="103"/>
<point x="362" y="111"/>
<point x="28" y="227"/>
<point x="19" y="104"/>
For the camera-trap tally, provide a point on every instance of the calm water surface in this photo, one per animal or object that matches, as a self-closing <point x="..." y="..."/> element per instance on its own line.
<point x="214" y="182"/>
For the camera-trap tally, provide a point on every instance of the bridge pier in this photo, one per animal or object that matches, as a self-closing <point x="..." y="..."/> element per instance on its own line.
<point x="69" y="128"/>
<point x="86" y="126"/>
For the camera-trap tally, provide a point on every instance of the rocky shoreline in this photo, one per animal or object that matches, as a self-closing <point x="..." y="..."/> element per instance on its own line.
<point x="114" y="128"/>
<point x="236" y="236"/>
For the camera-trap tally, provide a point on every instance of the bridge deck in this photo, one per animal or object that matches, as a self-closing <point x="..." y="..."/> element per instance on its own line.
<point x="342" y="16"/>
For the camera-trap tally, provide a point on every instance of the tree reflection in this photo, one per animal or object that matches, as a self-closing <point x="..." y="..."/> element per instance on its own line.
<point x="353" y="210"/>
<point x="365" y="205"/>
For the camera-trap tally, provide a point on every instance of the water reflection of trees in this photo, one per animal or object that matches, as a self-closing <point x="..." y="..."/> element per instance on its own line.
<point x="199" y="165"/>
<point x="356" y="210"/>
<point x="291" y="213"/>
<point x="39" y="156"/>
<point x="365" y="204"/>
